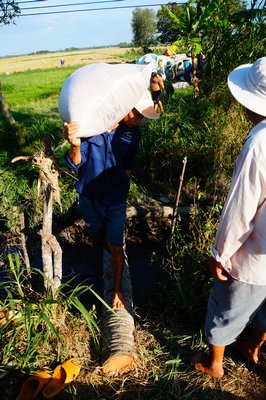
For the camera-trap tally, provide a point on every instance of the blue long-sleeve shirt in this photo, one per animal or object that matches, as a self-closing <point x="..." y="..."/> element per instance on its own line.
<point x="105" y="158"/>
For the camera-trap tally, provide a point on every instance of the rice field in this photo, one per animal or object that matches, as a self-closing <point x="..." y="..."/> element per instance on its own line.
<point x="51" y="60"/>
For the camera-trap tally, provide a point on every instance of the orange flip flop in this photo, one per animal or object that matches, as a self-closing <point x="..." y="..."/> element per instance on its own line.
<point x="33" y="385"/>
<point x="62" y="376"/>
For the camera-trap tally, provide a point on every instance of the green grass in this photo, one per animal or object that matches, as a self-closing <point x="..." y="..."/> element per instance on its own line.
<point x="34" y="321"/>
<point x="48" y="329"/>
<point x="26" y="90"/>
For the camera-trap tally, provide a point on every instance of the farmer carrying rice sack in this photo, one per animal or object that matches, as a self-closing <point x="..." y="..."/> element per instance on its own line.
<point x="104" y="160"/>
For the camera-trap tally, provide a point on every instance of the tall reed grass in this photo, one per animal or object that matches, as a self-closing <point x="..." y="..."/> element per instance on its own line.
<point x="34" y="324"/>
<point x="44" y="330"/>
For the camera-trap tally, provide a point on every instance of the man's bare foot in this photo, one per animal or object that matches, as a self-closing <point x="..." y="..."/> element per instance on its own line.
<point x="118" y="300"/>
<point x="249" y="354"/>
<point x="201" y="363"/>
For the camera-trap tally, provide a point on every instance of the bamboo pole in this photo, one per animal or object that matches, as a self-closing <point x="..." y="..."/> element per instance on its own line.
<point x="181" y="179"/>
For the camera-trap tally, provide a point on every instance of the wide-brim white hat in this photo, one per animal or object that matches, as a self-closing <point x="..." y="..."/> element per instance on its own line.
<point x="146" y="106"/>
<point x="247" y="83"/>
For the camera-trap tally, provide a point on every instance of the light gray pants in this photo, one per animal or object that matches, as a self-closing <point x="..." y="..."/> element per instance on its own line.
<point x="232" y="306"/>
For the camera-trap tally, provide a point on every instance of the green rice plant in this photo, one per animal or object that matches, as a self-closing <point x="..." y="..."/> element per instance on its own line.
<point x="132" y="55"/>
<point x="170" y="377"/>
<point x="185" y="129"/>
<point x="138" y="195"/>
<point x="198" y="344"/>
<point x="23" y="90"/>
<point x="13" y="191"/>
<point x="166" y="142"/>
<point x="209" y="133"/>
<point x="223" y="140"/>
<point x="230" y="45"/>
<point x="189" y="253"/>
<point x="32" y="334"/>
<point x="17" y="274"/>
<point x="71" y="300"/>
<point x="159" y="144"/>
<point x="32" y="97"/>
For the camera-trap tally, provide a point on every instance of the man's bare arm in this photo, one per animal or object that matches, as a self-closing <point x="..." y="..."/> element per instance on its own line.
<point x="217" y="270"/>
<point x="161" y="83"/>
<point x="70" y="133"/>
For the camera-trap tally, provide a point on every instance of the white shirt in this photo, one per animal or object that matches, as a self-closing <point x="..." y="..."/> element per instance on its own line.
<point x="240" y="243"/>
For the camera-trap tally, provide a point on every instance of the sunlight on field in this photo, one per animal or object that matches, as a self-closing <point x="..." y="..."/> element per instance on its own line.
<point x="51" y="60"/>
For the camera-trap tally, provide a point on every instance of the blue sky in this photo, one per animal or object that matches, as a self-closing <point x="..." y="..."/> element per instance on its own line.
<point x="78" y="29"/>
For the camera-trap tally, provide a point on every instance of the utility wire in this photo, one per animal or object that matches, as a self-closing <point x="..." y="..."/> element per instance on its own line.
<point x="98" y="9"/>
<point x="71" y="4"/>
<point x="29" y="1"/>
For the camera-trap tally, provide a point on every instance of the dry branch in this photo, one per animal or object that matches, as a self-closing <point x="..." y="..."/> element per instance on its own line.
<point x="48" y="186"/>
<point x="5" y="109"/>
<point x="23" y="243"/>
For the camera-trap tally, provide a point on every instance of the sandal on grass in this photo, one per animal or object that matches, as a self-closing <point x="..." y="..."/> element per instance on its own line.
<point x="33" y="385"/>
<point x="62" y="376"/>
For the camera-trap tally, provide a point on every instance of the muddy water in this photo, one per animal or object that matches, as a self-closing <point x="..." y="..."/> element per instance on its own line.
<point x="83" y="263"/>
<point x="146" y="270"/>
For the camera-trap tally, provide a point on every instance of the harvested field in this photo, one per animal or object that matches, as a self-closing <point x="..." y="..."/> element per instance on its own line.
<point x="51" y="60"/>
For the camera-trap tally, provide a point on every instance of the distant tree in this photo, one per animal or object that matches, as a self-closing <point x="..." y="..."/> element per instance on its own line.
<point x="167" y="29"/>
<point x="124" y="45"/>
<point x="144" y="27"/>
<point x="42" y="52"/>
<point x="241" y="40"/>
<point x="8" y="11"/>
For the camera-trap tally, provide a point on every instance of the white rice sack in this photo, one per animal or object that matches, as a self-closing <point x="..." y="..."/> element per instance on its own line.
<point x="99" y="95"/>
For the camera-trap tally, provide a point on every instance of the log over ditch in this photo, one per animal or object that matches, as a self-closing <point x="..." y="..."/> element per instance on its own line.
<point x="158" y="212"/>
<point x="118" y="346"/>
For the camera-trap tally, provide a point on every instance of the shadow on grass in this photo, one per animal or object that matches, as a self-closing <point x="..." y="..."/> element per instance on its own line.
<point x="91" y="387"/>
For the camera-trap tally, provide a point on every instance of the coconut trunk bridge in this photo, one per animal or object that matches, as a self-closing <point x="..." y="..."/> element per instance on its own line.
<point x="119" y="354"/>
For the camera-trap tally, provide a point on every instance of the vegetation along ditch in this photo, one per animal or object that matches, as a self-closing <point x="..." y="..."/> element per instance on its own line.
<point x="169" y="270"/>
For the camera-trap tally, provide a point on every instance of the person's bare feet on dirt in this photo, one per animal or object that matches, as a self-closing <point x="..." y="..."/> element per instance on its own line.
<point x="251" y="355"/>
<point x="203" y="364"/>
<point x="118" y="300"/>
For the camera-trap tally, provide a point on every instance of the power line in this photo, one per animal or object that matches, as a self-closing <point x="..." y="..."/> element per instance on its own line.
<point x="98" y="9"/>
<point x="29" y="1"/>
<point x="71" y="4"/>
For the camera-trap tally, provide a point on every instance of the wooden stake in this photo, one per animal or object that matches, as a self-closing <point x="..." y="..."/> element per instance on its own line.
<point x="178" y="196"/>
<point x="24" y="246"/>
<point x="4" y="108"/>
<point x="48" y="185"/>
